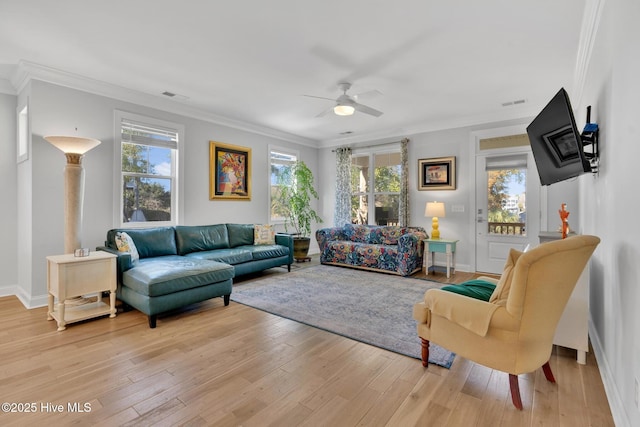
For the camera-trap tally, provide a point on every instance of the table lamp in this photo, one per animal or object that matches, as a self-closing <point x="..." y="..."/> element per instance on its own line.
<point x="434" y="210"/>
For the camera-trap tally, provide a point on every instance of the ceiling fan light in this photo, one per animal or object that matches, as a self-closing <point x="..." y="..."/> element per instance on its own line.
<point x="344" y="110"/>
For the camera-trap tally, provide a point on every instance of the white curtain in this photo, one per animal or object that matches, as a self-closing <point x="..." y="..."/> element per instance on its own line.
<point x="404" y="212"/>
<point x="342" y="213"/>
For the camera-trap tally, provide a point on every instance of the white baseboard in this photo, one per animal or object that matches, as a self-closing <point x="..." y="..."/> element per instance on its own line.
<point x="613" y="396"/>
<point x="9" y="290"/>
<point x="27" y="300"/>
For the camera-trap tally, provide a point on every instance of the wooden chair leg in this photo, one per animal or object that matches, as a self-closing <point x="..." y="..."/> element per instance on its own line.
<point x="546" y="368"/>
<point x="515" y="391"/>
<point x="425" y="352"/>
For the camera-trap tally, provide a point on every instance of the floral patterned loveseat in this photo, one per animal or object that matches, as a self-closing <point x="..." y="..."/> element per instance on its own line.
<point x="389" y="249"/>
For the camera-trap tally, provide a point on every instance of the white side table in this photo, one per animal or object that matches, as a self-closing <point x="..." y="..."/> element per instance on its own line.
<point x="448" y="247"/>
<point x="69" y="276"/>
<point x="573" y="327"/>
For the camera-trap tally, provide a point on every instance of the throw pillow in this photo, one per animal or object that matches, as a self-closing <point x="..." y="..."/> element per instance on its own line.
<point x="503" y="287"/>
<point x="264" y="235"/>
<point x="125" y="243"/>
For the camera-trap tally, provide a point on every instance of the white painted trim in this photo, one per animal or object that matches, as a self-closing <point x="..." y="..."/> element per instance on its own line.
<point x="9" y="290"/>
<point x="177" y="199"/>
<point x="28" y="71"/>
<point x="455" y="123"/>
<point x="473" y="150"/>
<point x="588" y="32"/>
<point x="284" y="150"/>
<point x="613" y="396"/>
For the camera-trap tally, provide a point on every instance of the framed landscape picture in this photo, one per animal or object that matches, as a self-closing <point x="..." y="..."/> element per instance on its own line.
<point x="438" y="173"/>
<point x="229" y="172"/>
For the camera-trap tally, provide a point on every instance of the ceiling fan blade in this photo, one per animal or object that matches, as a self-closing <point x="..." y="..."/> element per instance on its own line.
<point x="325" y="112"/>
<point x="367" y="110"/>
<point x="366" y="94"/>
<point x="319" y="97"/>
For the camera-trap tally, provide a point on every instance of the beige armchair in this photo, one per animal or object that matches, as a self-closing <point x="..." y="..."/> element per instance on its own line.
<point x="513" y="331"/>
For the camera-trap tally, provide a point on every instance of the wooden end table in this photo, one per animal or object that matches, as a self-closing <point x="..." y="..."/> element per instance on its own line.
<point x="69" y="276"/>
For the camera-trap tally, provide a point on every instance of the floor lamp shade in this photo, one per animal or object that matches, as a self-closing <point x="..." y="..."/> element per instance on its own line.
<point x="434" y="210"/>
<point x="74" y="149"/>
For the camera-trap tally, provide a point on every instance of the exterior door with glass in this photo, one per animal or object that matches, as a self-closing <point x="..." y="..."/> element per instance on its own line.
<point x="507" y="207"/>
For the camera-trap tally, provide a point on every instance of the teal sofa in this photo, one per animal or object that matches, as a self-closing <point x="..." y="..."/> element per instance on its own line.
<point x="182" y="265"/>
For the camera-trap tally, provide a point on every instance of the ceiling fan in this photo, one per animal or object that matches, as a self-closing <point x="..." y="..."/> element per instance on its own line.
<point x="346" y="105"/>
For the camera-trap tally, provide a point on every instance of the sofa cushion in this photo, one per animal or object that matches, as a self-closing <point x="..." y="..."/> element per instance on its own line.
<point x="150" y="242"/>
<point x="168" y="274"/>
<point x="382" y="257"/>
<point x="357" y="232"/>
<point x="386" y="235"/>
<point x="268" y="251"/>
<point x="240" y="234"/>
<point x="201" y="238"/>
<point x="230" y="255"/>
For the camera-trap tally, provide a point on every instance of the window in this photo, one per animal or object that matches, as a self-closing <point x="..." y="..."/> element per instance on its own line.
<point x="507" y="201"/>
<point x="148" y="179"/>
<point x="278" y="160"/>
<point x="378" y="187"/>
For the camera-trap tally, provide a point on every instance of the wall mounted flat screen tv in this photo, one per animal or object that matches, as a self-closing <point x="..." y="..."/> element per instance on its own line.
<point x="556" y="142"/>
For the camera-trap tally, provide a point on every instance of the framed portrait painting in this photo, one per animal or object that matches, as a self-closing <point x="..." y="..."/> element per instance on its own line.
<point x="229" y="172"/>
<point x="438" y="173"/>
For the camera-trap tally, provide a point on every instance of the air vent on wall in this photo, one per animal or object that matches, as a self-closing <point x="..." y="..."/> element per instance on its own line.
<point x="516" y="102"/>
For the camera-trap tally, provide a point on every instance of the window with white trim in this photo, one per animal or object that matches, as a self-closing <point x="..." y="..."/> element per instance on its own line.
<point x="278" y="160"/>
<point x="377" y="187"/>
<point x="148" y="179"/>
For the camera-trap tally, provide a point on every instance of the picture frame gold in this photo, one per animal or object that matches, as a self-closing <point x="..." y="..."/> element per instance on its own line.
<point x="438" y="173"/>
<point x="229" y="172"/>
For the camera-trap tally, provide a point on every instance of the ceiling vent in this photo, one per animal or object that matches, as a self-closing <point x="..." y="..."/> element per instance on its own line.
<point x="175" y="95"/>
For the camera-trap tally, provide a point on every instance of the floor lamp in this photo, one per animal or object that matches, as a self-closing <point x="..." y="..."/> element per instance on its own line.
<point x="74" y="149"/>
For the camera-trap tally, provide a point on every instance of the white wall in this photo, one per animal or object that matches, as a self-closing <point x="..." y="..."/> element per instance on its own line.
<point x="60" y="110"/>
<point x="444" y="143"/>
<point x="8" y="194"/>
<point x="610" y="205"/>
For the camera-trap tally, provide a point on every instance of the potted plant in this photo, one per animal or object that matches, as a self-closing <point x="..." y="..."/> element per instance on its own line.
<point x="292" y="200"/>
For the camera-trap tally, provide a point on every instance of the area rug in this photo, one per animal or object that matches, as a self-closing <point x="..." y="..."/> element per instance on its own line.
<point x="373" y="308"/>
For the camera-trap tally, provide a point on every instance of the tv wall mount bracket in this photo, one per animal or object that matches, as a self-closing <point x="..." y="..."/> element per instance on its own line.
<point x="589" y="138"/>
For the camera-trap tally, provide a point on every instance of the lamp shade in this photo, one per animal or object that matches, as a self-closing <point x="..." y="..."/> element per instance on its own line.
<point x="434" y="209"/>
<point x="344" y="110"/>
<point x="72" y="144"/>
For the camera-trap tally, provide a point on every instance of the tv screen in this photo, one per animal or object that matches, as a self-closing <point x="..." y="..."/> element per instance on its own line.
<point x="556" y="142"/>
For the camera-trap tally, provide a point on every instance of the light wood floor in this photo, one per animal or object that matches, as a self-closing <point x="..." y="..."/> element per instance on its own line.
<point x="235" y="365"/>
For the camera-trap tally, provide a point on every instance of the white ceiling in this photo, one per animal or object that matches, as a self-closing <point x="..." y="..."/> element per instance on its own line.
<point x="436" y="63"/>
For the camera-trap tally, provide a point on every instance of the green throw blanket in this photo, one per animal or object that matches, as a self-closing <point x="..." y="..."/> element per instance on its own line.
<point x="478" y="289"/>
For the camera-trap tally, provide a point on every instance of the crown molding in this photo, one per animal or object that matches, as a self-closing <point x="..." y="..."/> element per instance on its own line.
<point x="27" y="71"/>
<point x="588" y="32"/>
<point x="523" y="113"/>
